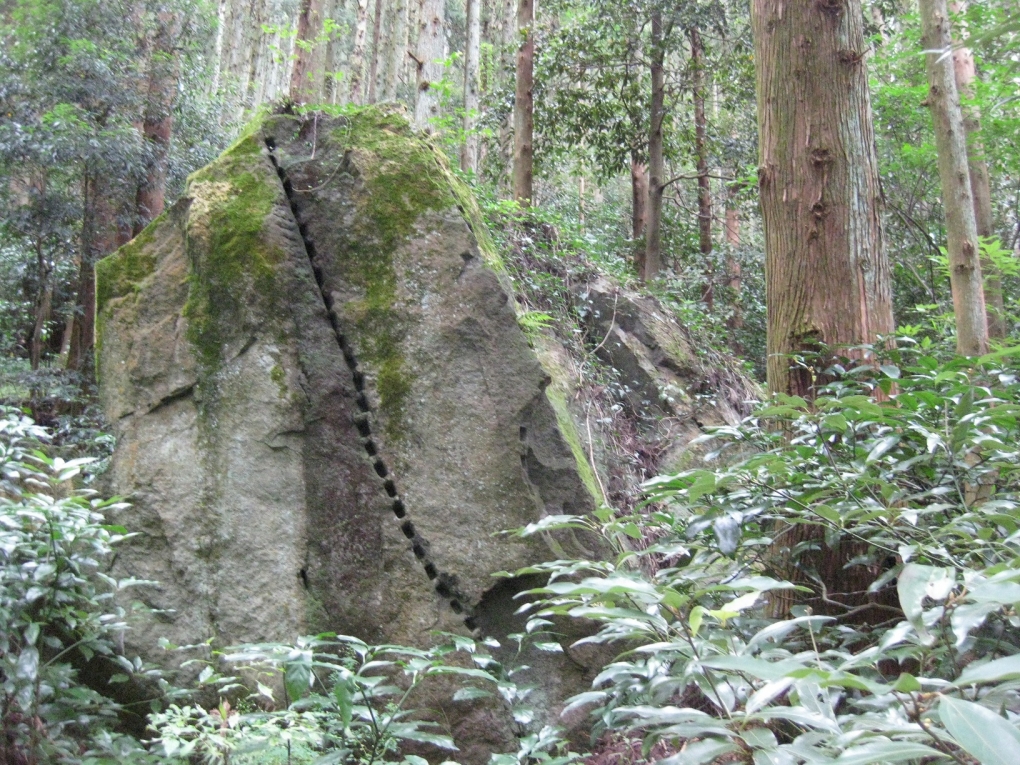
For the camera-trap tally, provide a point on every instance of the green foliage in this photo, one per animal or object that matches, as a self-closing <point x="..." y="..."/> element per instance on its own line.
<point x="922" y="485"/>
<point x="333" y="697"/>
<point x="55" y="606"/>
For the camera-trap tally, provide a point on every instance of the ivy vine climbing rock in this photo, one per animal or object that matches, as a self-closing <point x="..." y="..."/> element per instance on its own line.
<point x="324" y="406"/>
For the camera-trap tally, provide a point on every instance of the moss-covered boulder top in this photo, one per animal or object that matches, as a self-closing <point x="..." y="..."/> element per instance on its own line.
<point x="325" y="408"/>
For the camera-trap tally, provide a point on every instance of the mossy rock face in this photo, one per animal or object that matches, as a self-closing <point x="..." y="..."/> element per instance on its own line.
<point x="325" y="408"/>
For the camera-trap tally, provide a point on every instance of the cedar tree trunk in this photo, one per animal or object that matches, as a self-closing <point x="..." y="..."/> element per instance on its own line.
<point x="701" y="152"/>
<point x="954" y="174"/>
<point x="965" y="72"/>
<point x="472" y="61"/>
<point x="656" y="161"/>
<point x="524" y="105"/>
<point x="157" y="123"/>
<point x="431" y="49"/>
<point x="826" y="272"/>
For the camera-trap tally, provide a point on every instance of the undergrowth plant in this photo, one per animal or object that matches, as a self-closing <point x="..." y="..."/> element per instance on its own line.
<point x="914" y="465"/>
<point x="336" y="699"/>
<point x="56" y="607"/>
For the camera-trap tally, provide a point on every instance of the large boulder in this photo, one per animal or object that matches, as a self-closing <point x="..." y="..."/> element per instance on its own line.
<point x="324" y="407"/>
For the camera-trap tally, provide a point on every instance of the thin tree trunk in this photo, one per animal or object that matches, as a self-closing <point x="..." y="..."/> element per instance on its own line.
<point x="304" y="88"/>
<point x="98" y="238"/>
<point x="733" y="271"/>
<point x="43" y="304"/>
<point x="701" y="151"/>
<point x="957" y="197"/>
<point x="965" y="72"/>
<point x="397" y="51"/>
<point x="373" y="75"/>
<point x="580" y="201"/>
<point x="656" y="164"/>
<point x="638" y="198"/>
<point x="524" y="105"/>
<point x="157" y="124"/>
<point x="431" y="49"/>
<point x="472" y="61"/>
<point x="357" y="68"/>
<point x="65" y="338"/>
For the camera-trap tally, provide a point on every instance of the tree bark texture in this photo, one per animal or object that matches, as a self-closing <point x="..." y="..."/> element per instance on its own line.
<point x="954" y="174"/>
<point x="356" y="72"/>
<point x="157" y="122"/>
<point x="304" y="85"/>
<point x="98" y="238"/>
<point x="826" y="273"/>
<point x="396" y="50"/>
<point x="373" y="75"/>
<point x="701" y="152"/>
<point x="524" y="105"/>
<point x="965" y="72"/>
<point x="639" y="197"/>
<point x="430" y="52"/>
<point x="472" y="63"/>
<point x="656" y="159"/>
<point x="43" y="304"/>
<point x="734" y="277"/>
<point x="827" y="276"/>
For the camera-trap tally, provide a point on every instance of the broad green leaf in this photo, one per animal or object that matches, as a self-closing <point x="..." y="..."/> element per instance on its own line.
<point x="885" y="751"/>
<point x="28" y="664"/>
<point x="1006" y="668"/>
<point x="727" y="533"/>
<point x="891" y="371"/>
<point x="297" y="676"/>
<point x="912" y="587"/>
<point x="705" y="484"/>
<point x="581" y="699"/>
<point x="469" y="694"/>
<point x="881" y="448"/>
<point x="990" y="738"/>
<point x="695" y="619"/>
<point x="906" y="683"/>
<point x="699" y="752"/>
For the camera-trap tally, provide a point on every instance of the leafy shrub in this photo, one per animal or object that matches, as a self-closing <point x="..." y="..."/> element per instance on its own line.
<point x="921" y="664"/>
<point x="55" y="606"/>
<point x="332" y="699"/>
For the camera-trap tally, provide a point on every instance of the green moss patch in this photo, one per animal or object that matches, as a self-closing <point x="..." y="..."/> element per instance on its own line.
<point x="573" y="439"/>
<point x="233" y="267"/>
<point x="402" y="180"/>
<point x="121" y="272"/>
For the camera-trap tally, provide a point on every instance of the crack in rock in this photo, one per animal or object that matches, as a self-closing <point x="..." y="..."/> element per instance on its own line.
<point x="446" y="583"/>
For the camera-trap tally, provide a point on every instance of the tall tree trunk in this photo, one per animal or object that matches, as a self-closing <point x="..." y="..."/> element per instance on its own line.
<point x="397" y="50"/>
<point x="373" y="74"/>
<point x="304" y="88"/>
<point x="431" y="49"/>
<point x="98" y="238"/>
<point x="357" y="67"/>
<point x="957" y="197"/>
<point x="656" y="163"/>
<point x="638" y="198"/>
<point x="43" y="303"/>
<point x="472" y="61"/>
<point x="734" y="278"/>
<point x="965" y="72"/>
<point x="157" y="123"/>
<point x="827" y="276"/>
<point x="701" y="151"/>
<point x="524" y="104"/>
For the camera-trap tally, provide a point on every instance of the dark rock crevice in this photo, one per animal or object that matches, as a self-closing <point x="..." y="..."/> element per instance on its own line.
<point x="446" y="583"/>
